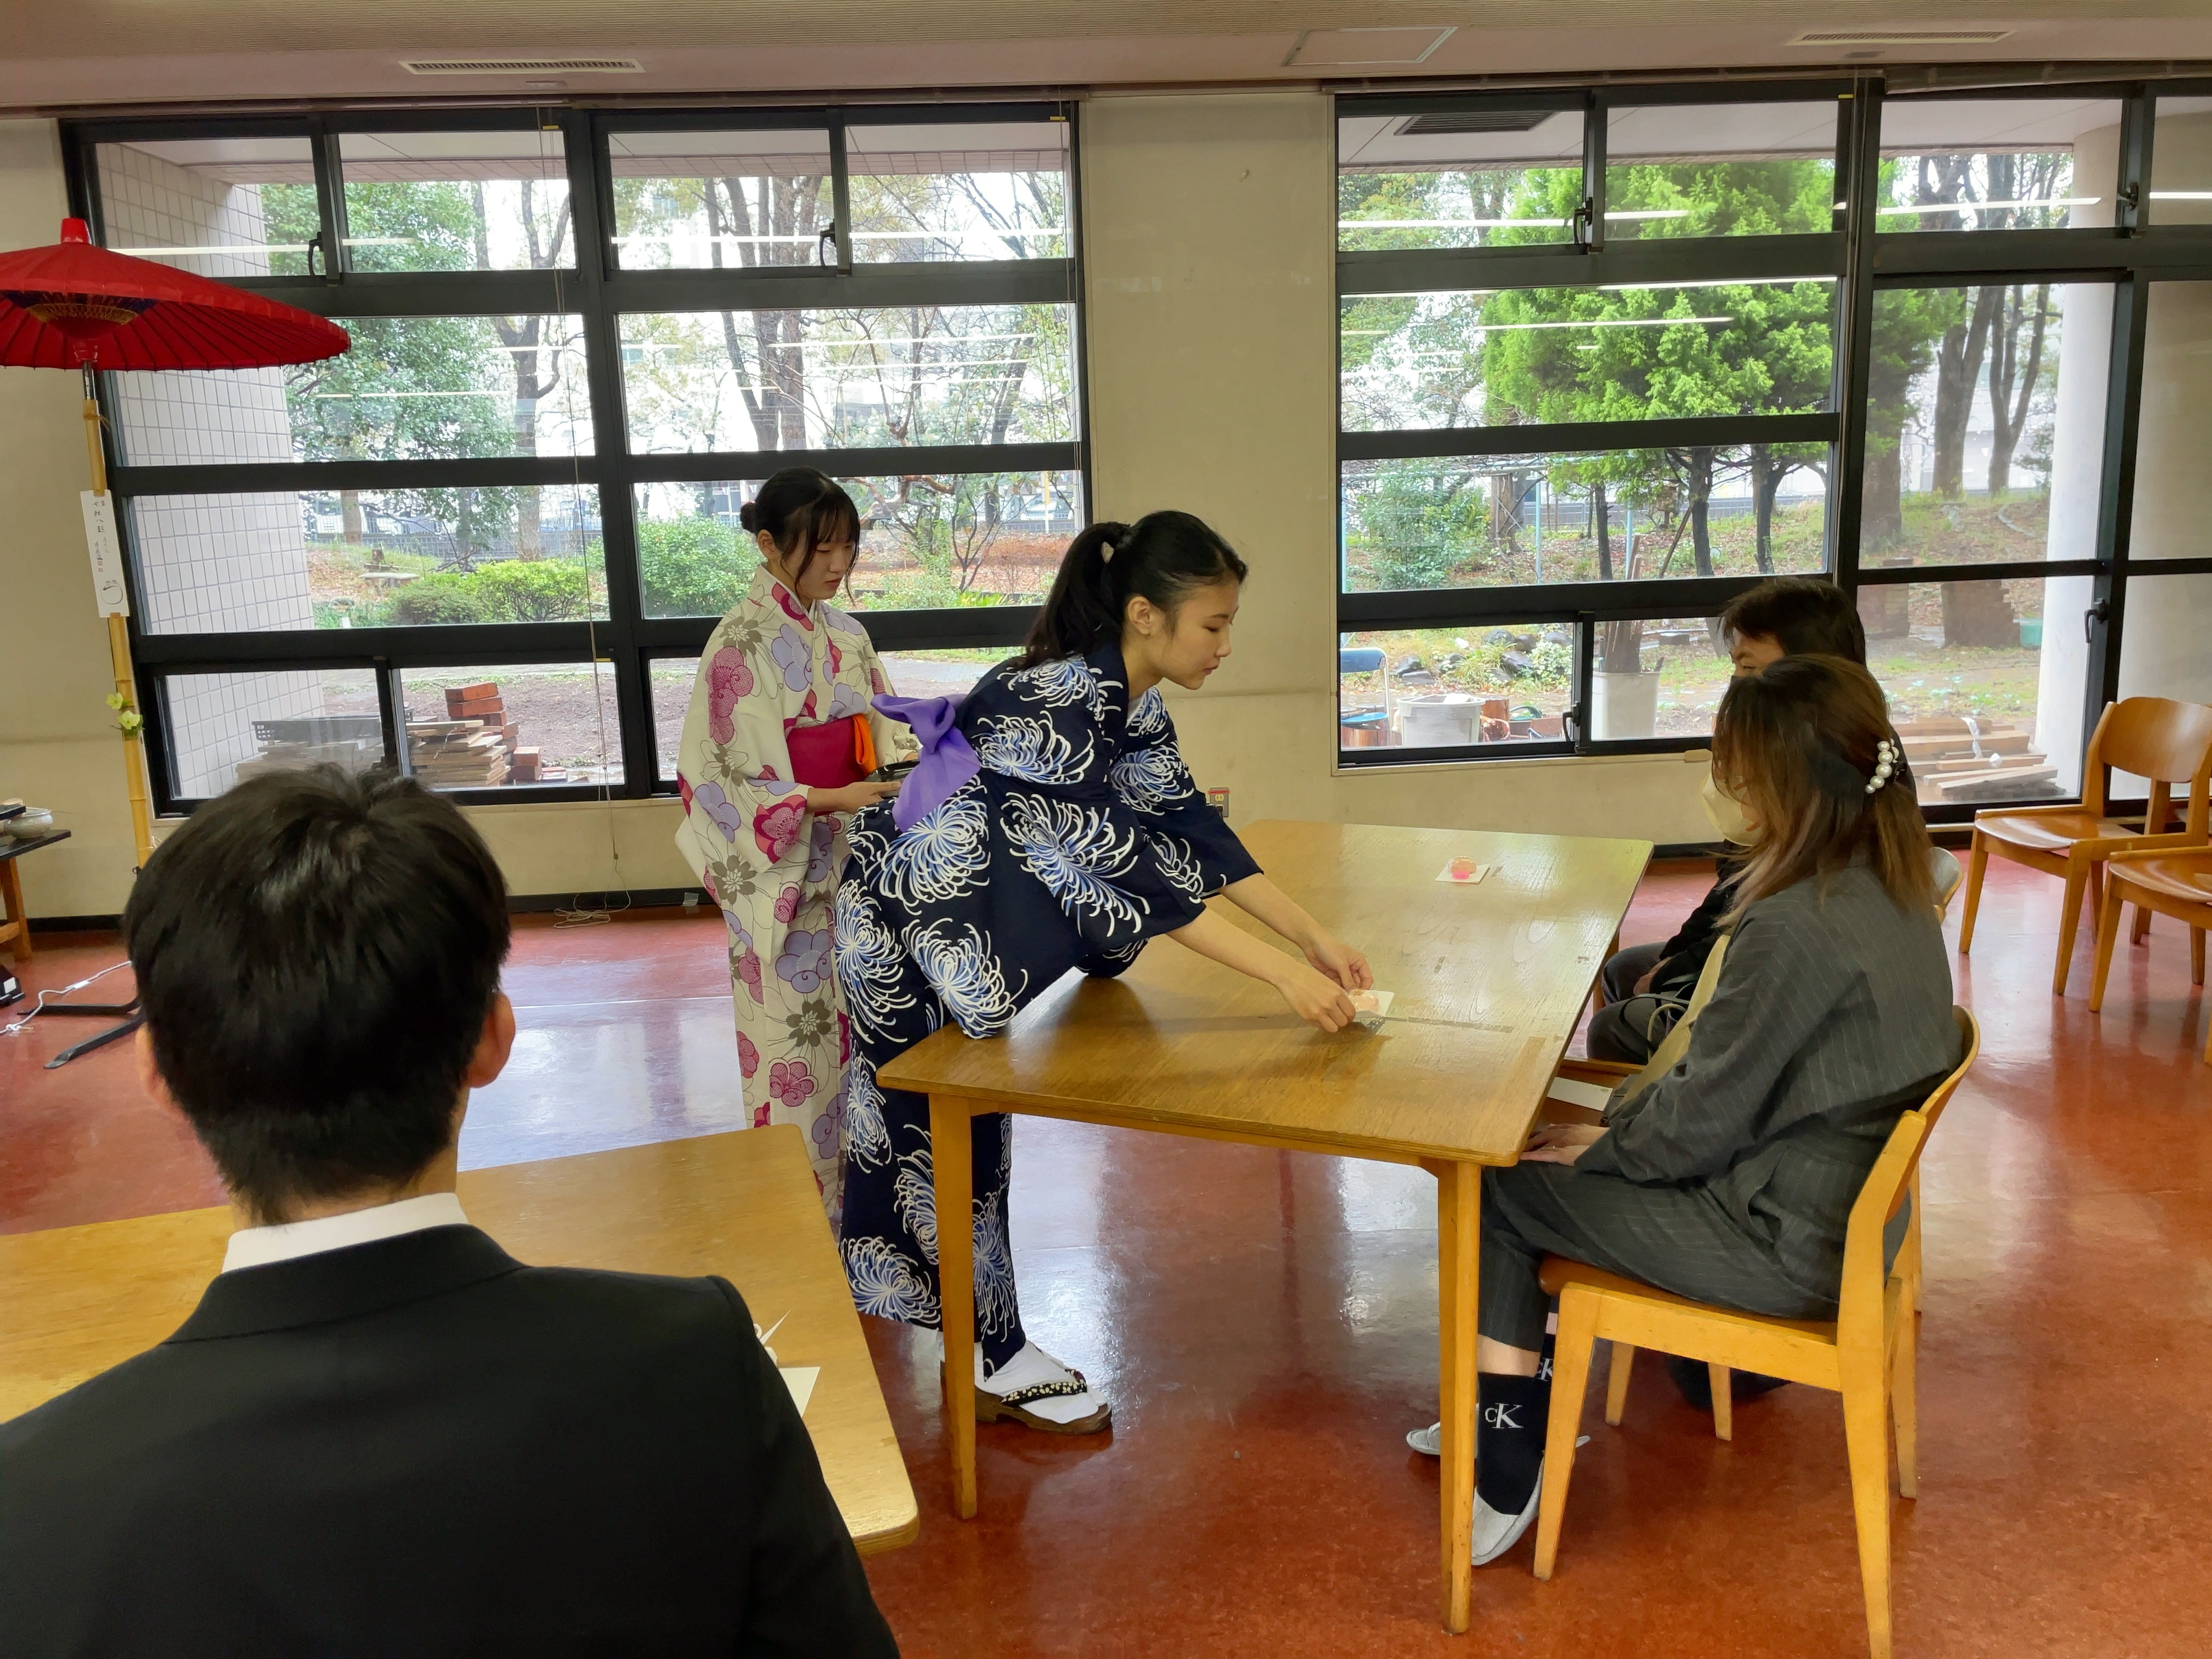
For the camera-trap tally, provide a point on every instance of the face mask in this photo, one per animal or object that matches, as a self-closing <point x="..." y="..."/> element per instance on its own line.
<point x="1726" y="813"/>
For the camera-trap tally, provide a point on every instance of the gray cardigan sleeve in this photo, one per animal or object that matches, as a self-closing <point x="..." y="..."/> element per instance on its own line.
<point x="1780" y="979"/>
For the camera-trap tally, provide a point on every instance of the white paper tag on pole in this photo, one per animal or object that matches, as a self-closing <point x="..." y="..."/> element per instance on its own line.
<point x="106" y="553"/>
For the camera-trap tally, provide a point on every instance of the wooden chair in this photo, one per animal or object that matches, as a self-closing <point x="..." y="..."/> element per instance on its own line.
<point x="1868" y="1353"/>
<point x="2177" y="885"/>
<point x="2152" y="737"/>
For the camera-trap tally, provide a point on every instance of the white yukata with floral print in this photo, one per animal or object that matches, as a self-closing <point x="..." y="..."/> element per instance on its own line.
<point x="772" y="866"/>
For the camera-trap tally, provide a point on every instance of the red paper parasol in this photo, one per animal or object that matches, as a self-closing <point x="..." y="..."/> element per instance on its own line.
<point x="74" y="306"/>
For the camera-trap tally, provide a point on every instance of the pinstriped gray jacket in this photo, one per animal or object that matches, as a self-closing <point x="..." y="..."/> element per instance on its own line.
<point x="1830" y="1017"/>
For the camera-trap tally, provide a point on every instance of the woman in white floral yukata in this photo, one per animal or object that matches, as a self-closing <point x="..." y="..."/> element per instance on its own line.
<point x="1051" y="824"/>
<point x="780" y="740"/>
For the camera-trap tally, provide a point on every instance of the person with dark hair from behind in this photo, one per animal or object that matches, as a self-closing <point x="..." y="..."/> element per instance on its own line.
<point x="379" y="1433"/>
<point x="1051" y="824"/>
<point x="1730" y="1179"/>
<point x="1647" y="986"/>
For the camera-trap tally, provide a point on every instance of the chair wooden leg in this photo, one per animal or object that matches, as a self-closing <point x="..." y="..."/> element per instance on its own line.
<point x="2197" y="955"/>
<point x="2108" y="935"/>
<point x="1570" y="1365"/>
<point x="1866" y="1436"/>
<point x="1724" y="1402"/>
<point x="1616" y="1384"/>
<point x="1978" y="864"/>
<point x="2141" y="929"/>
<point x="2070" y="923"/>
<point x="1904" y="1396"/>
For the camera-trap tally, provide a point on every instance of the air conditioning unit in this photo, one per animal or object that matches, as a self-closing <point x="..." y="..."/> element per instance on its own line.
<point x="522" y="65"/>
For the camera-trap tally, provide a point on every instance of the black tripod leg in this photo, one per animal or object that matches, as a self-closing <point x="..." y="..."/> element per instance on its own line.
<point x="100" y="1041"/>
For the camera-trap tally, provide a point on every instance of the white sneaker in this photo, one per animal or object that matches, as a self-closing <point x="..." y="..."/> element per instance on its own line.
<point x="1429" y="1442"/>
<point x="1037" y="1391"/>
<point x="1495" y="1533"/>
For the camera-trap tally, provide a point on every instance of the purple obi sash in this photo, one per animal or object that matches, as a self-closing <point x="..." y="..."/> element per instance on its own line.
<point x="947" y="762"/>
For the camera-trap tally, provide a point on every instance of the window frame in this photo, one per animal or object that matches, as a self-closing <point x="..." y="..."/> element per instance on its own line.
<point x="596" y="290"/>
<point x="2130" y="255"/>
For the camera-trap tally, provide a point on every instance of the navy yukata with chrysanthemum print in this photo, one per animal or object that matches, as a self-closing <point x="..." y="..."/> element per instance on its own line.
<point x="1080" y="837"/>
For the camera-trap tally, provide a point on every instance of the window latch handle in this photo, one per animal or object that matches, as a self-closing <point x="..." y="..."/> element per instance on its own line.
<point x="2101" y="612"/>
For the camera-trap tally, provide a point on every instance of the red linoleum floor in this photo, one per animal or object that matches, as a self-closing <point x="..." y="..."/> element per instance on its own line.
<point x="1265" y="1325"/>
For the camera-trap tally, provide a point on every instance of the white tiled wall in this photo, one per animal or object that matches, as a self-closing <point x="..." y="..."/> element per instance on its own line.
<point x="209" y="563"/>
<point x="148" y="201"/>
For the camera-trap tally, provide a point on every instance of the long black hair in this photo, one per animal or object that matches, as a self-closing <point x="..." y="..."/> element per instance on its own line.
<point x="1163" y="557"/>
<point x="801" y="509"/>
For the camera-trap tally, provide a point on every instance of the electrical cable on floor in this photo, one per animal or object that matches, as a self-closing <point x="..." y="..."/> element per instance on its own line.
<point x="39" y="1007"/>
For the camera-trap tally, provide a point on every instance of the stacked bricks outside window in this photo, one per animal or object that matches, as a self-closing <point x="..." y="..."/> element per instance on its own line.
<point x="475" y="746"/>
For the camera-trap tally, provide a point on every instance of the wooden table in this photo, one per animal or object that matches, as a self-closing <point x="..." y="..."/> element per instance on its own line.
<point x="1490" y="980"/>
<point x="743" y="1204"/>
<point x="15" y="919"/>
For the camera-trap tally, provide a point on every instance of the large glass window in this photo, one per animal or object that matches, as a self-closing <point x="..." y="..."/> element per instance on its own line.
<point x="1457" y="175"/>
<point x="1620" y="427"/>
<point x="1411" y="689"/>
<point x="411" y="388"/>
<point x="1549" y="355"/>
<point x="1683" y="170"/>
<point x="225" y="728"/>
<point x="1999" y="163"/>
<point x="1985" y="423"/>
<point x="1625" y="515"/>
<point x="457" y="200"/>
<point x="230" y="207"/>
<point x="950" y="191"/>
<point x="846" y="379"/>
<point x="514" y="725"/>
<point x="722" y="200"/>
<point x="927" y="541"/>
<point x="533" y="457"/>
<point x="1962" y="662"/>
<point x="2181" y="164"/>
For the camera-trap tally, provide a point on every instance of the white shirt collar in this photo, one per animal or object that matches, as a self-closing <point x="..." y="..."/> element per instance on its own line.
<point x="257" y="1247"/>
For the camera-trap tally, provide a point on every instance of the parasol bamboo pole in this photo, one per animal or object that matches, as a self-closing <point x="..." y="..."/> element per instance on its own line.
<point x="118" y="653"/>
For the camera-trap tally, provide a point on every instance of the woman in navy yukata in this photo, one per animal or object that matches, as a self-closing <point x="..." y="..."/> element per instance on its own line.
<point x="1051" y="824"/>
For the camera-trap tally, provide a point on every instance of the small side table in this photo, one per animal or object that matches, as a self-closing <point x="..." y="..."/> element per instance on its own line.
<point x="16" y="922"/>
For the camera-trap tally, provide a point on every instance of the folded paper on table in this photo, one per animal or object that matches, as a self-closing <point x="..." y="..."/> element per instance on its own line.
<point x="799" y="1379"/>
<point x="1371" y="1007"/>
<point x="946" y="760"/>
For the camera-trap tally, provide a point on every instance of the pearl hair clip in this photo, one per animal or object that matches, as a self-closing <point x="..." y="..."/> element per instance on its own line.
<point x="1885" y="763"/>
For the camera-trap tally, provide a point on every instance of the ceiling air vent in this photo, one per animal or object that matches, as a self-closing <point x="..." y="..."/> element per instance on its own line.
<point x="1902" y="37"/>
<point x="1473" y="120"/>
<point x="522" y="65"/>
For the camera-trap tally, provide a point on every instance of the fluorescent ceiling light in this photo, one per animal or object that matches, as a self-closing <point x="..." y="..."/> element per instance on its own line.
<point x="1878" y="37"/>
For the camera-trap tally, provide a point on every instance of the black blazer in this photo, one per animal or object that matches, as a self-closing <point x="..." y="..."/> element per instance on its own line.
<point x="420" y="1446"/>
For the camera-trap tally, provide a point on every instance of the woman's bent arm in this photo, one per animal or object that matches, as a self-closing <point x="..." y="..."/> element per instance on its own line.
<point x="1264" y="902"/>
<point x="1312" y="998"/>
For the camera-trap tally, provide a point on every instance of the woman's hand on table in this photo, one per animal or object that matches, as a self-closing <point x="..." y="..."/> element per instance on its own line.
<point x="1560" y="1143"/>
<point x="1314" y="997"/>
<point x="1331" y="956"/>
<point x="852" y="798"/>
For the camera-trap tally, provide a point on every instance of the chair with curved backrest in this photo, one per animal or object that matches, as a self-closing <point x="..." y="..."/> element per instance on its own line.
<point x="1868" y="1353"/>
<point x="2154" y="738"/>
<point x="2177" y="885"/>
